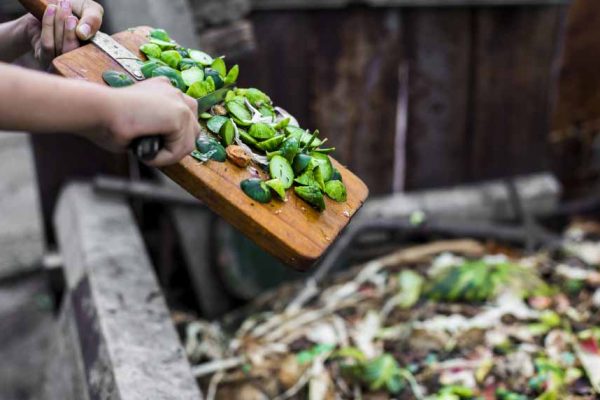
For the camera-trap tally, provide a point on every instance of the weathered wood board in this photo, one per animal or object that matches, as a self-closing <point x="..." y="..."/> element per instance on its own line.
<point x="454" y="94"/>
<point x="291" y="231"/>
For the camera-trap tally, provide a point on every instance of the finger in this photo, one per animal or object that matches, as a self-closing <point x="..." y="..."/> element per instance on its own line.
<point x="70" y="41"/>
<point x="48" y="51"/>
<point x="64" y="10"/>
<point x="91" y="14"/>
<point x="191" y="103"/>
<point x="177" y="146"/>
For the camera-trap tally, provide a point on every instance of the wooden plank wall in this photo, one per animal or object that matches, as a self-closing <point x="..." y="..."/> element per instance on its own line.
<point x="576" y="123"/>
<point x="479" y="87"/>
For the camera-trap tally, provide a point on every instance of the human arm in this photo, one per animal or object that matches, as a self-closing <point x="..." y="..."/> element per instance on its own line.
<point x="41" y="103"/>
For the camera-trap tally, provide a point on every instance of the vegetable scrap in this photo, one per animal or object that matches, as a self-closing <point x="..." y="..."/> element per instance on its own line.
<point x="266" y="135"/>
<point x="441" y="321"/>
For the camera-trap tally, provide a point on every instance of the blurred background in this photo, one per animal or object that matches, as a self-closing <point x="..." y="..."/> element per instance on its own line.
<point x="416" y="95"/>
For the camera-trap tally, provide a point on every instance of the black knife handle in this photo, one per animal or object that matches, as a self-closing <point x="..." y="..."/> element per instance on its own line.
<point x="146" y="148"/>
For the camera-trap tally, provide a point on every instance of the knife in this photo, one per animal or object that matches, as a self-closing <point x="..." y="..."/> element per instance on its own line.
<point x="145" y="148"/>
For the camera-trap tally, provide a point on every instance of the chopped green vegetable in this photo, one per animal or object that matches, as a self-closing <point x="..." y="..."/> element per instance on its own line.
<point x="149" y="67"/>
<point x="215" y="123"/>
<point x="292" y="155"/>
<point x="214" y="75"/>
<point x="301" y="161"/>
<point x="201" y="89"/>
<point x="256" y="190"/>
<point x="325" y="165"/>
<point x="201" y="57"/>
<point x="232" y="75"/>
<point x="278" y="187"/>
<point x="227" y="132"/>
<point x="312" y="195"/>
<point x="172" y="58"/>
<point x="151" y="50"/>
<point x="173" y="75"/>
<point x="238" y="110"/>
<point x="271" y="144"/>
<point x="163" y="44"/>
<point x="336" y="191"/>
<point x="247" y="138"/>
<point x="281" y="169"/>
<point x="212" y="149"/>
<point x="289" y="149"/>
<point x="192" y="75"/>
<point x="160" y="34"/>
<point x="262" y="131"/>
<point x="117" y="79"/>
<point x="219" y="66"/>
<point x="187" y="63"/>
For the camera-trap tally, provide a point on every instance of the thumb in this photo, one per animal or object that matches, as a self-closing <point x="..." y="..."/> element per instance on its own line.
<point x="91" y="14"/>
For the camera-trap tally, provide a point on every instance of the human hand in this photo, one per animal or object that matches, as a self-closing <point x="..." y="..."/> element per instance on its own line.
<point x="149" y="108"/>
<point x="60" y="30"/>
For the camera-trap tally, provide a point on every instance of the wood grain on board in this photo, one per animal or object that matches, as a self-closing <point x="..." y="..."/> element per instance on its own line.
<point x="291" y="231"/>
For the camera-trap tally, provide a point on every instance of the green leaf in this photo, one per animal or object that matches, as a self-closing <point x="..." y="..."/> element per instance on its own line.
<point x="307" y="356"/>
<point x="410" y="285"/>
<point x="383" y="372"/>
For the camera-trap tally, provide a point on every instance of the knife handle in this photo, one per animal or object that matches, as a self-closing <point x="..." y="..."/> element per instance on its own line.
<point x="36" y="7"/>
<point x="147" y="148"/>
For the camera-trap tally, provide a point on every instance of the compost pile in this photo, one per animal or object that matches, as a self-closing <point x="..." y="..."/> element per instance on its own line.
<point x="246" y="128"/>
<point x="447" y="320"/>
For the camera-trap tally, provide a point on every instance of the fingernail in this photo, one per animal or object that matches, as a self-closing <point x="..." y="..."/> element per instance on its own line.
<point x="51" y="10"/>
<point x="71" y="23"/>
<point x="85" y="30"/>
<point x="66" y="5"/>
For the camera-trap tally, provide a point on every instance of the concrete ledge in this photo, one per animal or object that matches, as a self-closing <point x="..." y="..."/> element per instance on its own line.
<point x="126" y="339"/>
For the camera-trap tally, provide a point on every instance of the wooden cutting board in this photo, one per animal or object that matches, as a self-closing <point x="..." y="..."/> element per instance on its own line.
<point x="291" y="231"/>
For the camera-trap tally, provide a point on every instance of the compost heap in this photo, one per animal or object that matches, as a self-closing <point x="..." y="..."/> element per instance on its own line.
<point x="447" y="320"/>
